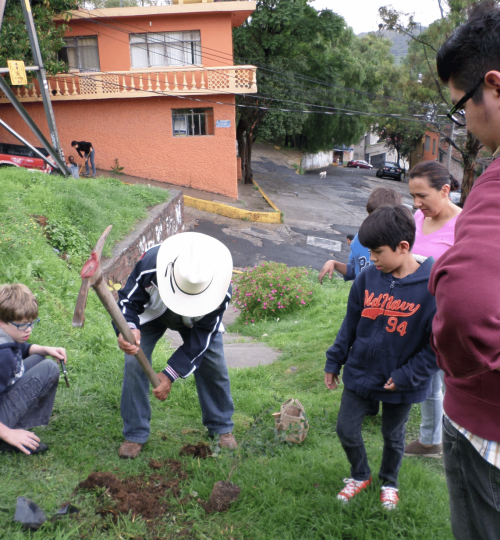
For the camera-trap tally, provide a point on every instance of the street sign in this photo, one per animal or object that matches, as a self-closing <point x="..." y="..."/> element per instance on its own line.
<point x="223" y="123"/>
<point x="17" y="72"/>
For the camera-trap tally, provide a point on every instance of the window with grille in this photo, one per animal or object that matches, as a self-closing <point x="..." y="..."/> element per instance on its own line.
<point x="188" y="122"/>
<point x="81" y="53"/>
<point x="433" y="147"/>
<point x="165" y="49"/>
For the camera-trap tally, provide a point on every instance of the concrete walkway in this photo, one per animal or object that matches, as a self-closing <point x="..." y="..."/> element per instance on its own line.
<point x="240" y="351"/>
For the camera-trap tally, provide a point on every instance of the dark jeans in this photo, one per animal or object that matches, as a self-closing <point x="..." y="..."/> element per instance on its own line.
<point x="473" y="486"/>
<point x="28" y="403"/>
<point x="212" y="383"/>
<point x="353" y="410"/>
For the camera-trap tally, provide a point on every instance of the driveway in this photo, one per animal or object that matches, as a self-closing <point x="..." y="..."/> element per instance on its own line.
<point x="319" y="213"/>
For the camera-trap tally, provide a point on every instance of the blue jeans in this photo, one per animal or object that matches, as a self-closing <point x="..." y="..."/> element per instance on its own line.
<point x="212" y="383"/>
<point x="473" y="486"/>
<point x="92" y="162"/>
<point x="28" y="403"/>
<point x="432" y="412"/>
<point x="353" y="409"/>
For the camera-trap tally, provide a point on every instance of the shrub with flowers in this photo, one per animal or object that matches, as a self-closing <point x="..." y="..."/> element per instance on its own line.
<point x="271" y="289"/>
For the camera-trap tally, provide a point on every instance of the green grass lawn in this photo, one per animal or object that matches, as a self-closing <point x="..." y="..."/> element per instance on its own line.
<point x="287" y="491"/>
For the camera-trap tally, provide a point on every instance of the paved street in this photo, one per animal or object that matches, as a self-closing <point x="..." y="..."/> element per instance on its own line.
<point x="319" y="213"/>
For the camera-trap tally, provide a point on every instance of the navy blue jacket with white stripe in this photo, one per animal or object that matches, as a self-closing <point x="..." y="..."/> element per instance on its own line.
<point x="140" y="302"/>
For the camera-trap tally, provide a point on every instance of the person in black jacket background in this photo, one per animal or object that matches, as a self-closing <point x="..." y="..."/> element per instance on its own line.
<point x="384" y="346"/>
<point x="88" y="154"/>
<point x="182" y="284"/>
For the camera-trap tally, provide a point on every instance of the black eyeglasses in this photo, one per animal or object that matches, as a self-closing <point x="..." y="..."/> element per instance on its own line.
<point x="25" y="326"/>
<point x="457" y="114"/>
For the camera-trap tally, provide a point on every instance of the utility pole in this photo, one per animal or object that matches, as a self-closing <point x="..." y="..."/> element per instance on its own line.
<point x="42" y="78"/>
<point x="450" y="147"/>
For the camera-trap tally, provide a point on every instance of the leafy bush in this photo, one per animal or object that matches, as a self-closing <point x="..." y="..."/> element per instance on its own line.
<point x="271" y="288"/>
<point x="67" y="238"/>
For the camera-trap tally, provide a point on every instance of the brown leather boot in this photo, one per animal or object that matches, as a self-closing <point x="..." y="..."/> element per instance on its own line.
<point x="227" y="440"/>
<point x="130" y="450"/>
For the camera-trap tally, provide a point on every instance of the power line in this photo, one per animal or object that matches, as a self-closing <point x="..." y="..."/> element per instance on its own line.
<point x="211" y="56"/>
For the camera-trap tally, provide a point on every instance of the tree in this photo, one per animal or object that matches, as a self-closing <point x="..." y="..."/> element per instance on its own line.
<point x="14" y="42"/>
<point x="401" y="136"/>
<point x="431" y="93"/>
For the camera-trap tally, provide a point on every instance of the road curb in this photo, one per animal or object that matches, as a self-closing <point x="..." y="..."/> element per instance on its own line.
<point x="236" y="213"/>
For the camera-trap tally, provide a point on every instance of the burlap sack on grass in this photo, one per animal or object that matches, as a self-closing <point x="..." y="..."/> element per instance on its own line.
<point x="292" y="420"/>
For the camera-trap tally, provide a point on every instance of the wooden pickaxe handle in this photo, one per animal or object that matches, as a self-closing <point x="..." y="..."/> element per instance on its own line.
<point x="112" y="308"/>
<point x="92" y="277"/>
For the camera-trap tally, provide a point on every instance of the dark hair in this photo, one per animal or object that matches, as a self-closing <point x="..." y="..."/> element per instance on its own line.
<point x="382" y="196"/>
<point x="387" y="226"/>
<point x="434" y="172"/>
<point x="472" y="50"/>
<point x="350" y="237"/>
<point x="454" y="183"/>
<point x="74" y="143"/>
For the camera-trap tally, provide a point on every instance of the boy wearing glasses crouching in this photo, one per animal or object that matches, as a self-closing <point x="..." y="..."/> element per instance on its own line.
<point x="28" y="380"/>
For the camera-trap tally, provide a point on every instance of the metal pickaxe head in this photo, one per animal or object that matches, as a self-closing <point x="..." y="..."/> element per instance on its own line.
<point x="91" y="274"/>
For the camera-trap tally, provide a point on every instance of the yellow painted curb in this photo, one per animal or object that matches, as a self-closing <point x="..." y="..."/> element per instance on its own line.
<point x="235" y="213"/>
<point x="267" y="198"/>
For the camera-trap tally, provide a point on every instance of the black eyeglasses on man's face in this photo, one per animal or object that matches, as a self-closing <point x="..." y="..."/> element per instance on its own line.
<point x="457" y="114"/>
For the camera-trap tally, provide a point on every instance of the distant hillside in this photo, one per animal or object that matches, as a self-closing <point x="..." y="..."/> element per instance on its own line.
<point x="399" y="42"/>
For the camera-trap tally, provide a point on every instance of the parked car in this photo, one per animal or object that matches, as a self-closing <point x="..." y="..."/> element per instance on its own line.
<point x="359" y="164"/>
<point x="389" y="169"/>
<point x="18" y="155"/>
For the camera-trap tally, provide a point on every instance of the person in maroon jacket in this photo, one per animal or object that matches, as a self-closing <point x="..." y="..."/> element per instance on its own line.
<point x="466" y="328"/>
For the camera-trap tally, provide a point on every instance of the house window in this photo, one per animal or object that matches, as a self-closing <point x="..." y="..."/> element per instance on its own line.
<point x="188" y="122"/>
<point x="433" y="147"/>
<point x="427" y="143"/>
<point x="165" y="49"/>
<point x="81" y="53"/>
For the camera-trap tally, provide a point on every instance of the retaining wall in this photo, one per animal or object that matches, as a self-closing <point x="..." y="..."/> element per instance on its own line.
<point x="164" y="220"/>
<point x="315" y="161"/>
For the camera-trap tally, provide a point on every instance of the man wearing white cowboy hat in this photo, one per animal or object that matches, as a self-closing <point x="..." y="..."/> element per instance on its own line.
<point x="182" y="284"/>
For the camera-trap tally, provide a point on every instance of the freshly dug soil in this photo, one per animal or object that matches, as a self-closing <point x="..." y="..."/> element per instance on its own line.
<point x="141" y="495"/>
<point x="200" y="450"/>
<point x="223" y="494"/>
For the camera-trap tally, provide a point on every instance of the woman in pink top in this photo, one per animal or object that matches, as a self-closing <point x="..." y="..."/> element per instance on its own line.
<point x="435" y="219"/>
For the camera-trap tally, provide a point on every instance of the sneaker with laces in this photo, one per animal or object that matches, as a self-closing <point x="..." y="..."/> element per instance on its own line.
<point x="389" y="497"/>
<point x="416" y="448"/>
<point x="352" y="488"/>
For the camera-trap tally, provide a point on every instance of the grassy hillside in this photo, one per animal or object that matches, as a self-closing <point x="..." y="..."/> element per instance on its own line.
<point x="288" y="492"/>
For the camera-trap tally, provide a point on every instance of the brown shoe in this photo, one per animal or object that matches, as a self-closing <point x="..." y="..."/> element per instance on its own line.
<point x="130" y="450"/>
<point x="227" y="440"/>
<point x="416" y="448"/>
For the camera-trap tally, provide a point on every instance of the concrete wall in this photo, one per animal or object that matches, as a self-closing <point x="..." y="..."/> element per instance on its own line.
<point x="163" y="221"/>
<point x="316" y="161"/>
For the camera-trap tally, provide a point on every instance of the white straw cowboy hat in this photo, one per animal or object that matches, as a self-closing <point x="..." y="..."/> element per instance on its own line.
<point x="193" y="271"/>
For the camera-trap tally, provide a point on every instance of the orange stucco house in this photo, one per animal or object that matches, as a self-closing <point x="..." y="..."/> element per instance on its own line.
<point x="153" y="87"/>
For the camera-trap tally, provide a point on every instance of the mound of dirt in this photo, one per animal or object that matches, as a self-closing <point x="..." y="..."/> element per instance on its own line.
<point x="141" y="495"/>
<point x="200" y="450"/>
<point x="223" y="494"/>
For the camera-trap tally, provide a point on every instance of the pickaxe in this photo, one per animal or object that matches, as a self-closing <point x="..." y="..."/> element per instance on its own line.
<point x="92" y="277"/>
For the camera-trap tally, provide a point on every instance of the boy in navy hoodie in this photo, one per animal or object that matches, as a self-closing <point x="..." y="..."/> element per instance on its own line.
<point x="384" y="346"/>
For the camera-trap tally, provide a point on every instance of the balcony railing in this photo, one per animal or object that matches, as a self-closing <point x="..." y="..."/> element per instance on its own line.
<point x="179" y="81"/>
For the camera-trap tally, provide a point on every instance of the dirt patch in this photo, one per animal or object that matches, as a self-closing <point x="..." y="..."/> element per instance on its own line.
<point x="41" y="220"/>
<point x="223" y="494"/>
<point x="200" y="450"/>
<point x="142" y="495"/>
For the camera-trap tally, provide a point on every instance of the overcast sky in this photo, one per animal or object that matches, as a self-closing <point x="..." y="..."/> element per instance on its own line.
<point x="362" y="15"/>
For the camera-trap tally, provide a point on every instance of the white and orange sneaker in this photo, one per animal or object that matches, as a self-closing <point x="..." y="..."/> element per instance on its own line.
<point x="389" y="497"/>
<point x="352" y="488"/>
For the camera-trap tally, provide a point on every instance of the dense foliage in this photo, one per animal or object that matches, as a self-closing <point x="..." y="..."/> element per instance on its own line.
<point x="14" y="42"/>
<point x="271" y="289"/>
